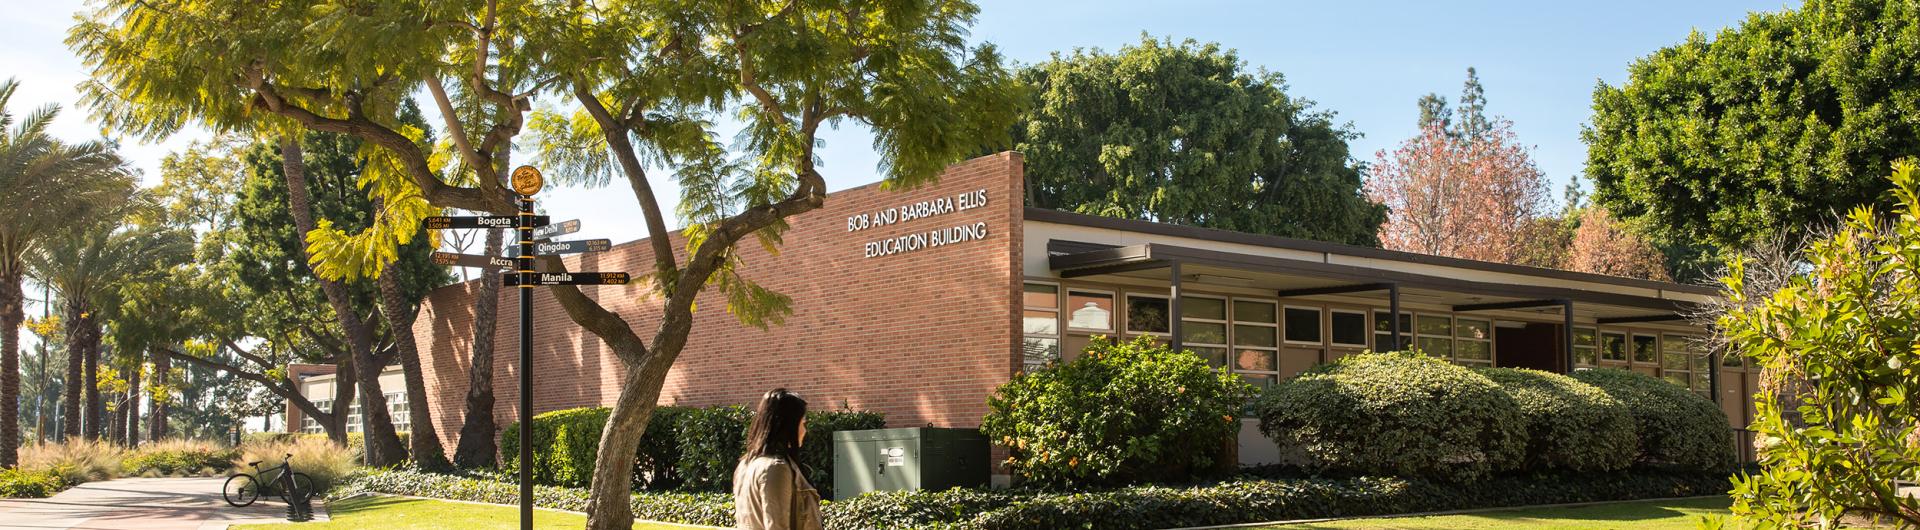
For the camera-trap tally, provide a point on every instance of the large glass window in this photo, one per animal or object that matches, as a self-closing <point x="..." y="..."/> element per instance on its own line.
<point x="1613" y="347"/>
<point x="1473" y="341"/>
<point x="1349" y="328"/>
<point x="311" y="426"/>
<point x="1645" y="349"/>
<point x="1383" y="338"/>
<point x="1147" y="314"/>
<point x="1256" y="337"/>
<point x="1303" y="325"/>
<point x="1089" y="310"/>
<point x="1584" y="340"/>
<point x="1203" y="326"/>
<point x="1683" y="362"/>
<point x="1040" y="323"/>
<point x="397" y="410"/>
<point x="1434" y="335"/>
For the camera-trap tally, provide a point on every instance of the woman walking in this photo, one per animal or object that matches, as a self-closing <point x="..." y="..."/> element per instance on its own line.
<point x="770" y="490"/>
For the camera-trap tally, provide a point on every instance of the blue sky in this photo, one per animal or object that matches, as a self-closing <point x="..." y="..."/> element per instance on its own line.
<point x="1366" y="61"/>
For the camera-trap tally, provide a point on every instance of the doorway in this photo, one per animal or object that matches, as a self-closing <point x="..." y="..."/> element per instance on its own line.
<point x="1532" y="345"/>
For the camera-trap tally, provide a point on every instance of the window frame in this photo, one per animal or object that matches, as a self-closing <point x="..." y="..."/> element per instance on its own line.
<point x="1225" y="322"/>
<point x="1594" y="347"/>
<point x="1493" y="357"/>
<point x="1366" y="327"/>
<point x="1118" y="312"/>
<point x="1233" y="336"/>
<point x="1320" y="329"/>
<point x="1126" y="314"/>
<point x="1059" y="330"/>
<point x="1374" y="323"/>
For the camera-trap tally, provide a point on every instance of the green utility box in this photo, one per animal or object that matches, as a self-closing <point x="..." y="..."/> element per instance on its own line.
<point x="918" y="458"/>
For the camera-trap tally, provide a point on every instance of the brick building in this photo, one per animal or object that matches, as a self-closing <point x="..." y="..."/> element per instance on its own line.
<point x="918" y="303"/>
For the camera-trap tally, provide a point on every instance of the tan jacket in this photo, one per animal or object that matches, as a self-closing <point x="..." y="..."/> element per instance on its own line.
<point x="771" y="494"/>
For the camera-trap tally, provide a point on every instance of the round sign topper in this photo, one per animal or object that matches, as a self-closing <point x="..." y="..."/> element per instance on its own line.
<point x="527" y="180"/>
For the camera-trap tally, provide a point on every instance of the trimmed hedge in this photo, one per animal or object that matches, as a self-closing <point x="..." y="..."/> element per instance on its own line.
<point x="684" y="448"/>
<point x="1121" y="413"/>
<point x="1675" y="426"/>
<point x="22" y="484"/>
<point x="1400" y="414"/>
<point x="1236" y="501"/>
<point x="1571" y="425"/>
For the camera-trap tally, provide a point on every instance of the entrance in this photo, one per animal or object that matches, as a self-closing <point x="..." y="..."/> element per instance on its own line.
<point x="1534" y="345"/>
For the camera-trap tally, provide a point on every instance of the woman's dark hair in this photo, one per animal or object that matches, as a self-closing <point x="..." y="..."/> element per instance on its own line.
<point x="776" y="426"/>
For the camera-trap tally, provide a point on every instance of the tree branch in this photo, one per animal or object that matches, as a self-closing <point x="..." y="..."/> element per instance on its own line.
<point x="618" y="141"/>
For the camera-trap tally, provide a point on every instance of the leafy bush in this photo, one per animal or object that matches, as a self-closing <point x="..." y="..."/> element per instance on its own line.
<point x="1402" y="414"/>
<point x="1675" y="426"/>
<point x="711" y="442"/>
<point x="179" y="458"/>
<point x="74" y="461"/>
<point x="1570" y="425"/>
<point x="1120" y="413"/>
<point x="565" y="443"/>
<point x="317" y="457"/>
<point x="25" y="484"/>
<point x="712" y="509"/>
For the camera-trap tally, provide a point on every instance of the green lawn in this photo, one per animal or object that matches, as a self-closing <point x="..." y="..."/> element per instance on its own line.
<point x="1647" y="515"/>
<point x="409" y="514"/>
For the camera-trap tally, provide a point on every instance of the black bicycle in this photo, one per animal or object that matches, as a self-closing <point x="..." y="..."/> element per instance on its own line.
<point x="243" y="489"/>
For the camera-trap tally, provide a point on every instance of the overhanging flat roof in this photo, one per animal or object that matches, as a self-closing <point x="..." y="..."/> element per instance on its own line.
<point x="1078" y="259"/>
<point x="1226" y="236"/>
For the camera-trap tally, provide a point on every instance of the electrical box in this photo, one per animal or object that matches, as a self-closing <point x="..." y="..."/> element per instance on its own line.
<point x="918" y="458"/>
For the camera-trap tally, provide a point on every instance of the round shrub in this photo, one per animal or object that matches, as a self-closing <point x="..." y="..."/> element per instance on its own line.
<point x="18" y="483"/>
<point x="565" y="445"/>
<point x="1675" y="426"/>
<point x="1570" y="425"/>
<point x="1121" y="413"/>
<point x="1401" y="414"/>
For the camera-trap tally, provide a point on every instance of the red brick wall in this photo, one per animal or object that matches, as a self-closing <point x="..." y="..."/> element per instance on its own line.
<point x="922" y="336"/>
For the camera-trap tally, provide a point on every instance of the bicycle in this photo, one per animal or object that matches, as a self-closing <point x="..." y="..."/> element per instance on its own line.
<point x="245" y="488"/>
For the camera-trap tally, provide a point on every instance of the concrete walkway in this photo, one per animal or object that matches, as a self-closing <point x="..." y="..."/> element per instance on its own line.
<point x="143" y="503"/>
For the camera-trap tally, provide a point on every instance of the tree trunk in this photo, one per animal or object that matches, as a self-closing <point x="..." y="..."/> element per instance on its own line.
<point x="382" y="444"/>
<point x="607" y="506"/>
<point x="116" y="404"/>
<point x="157" y="420"/>
<point x="478" y="445"/>
<point x="424" y="439"/>
<point x="335" y="424"/>
<point x="70" y="404"/>
<point x="133" y="402"/>
<point x="12" y="314"/>
<point x="93" y="424"/>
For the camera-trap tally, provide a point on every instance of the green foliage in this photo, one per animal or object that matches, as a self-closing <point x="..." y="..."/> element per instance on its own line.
<point x="1402" y="414"/>
<point x="18" y="483"/>
<point x="1570" y="425"/>
<point x="178" y="458"/>
<point x="1184" y="133"/>
<point x="565" y="445"/>
<point x="1675" y="426"/>
<point x="711" y="509"/>
<point x="684" y="449"/>
<point x="1841" y="345"/>
<point x="1121" y="413"/>
<point x="1766" y="128"/>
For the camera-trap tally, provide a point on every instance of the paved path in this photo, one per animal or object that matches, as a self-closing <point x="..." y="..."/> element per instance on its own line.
<point x="143" y="503"/>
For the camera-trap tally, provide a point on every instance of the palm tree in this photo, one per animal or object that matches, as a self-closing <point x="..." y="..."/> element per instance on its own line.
<point x="44" y="184"/>
<point x="86" y="268"/>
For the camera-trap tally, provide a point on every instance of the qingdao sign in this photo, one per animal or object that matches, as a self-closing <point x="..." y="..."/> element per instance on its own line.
<point x="919" y="210"/>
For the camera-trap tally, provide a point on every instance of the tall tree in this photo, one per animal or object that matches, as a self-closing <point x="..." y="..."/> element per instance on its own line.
<point x="1767" y="128"/>
<point x="648" y="77"/>
<point x="1458" y="197"/>
<point x="1185" y="133"/>
<point x="1603" y="245"/>
<point x="45" y="184"/>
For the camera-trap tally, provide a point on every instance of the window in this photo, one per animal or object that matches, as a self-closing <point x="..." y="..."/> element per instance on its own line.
<point x="1147" y="314"/>
<point x="1090" y="310"/>
<point x="353" y="417"/>
<point x="1349" y="328"/>
<point x="1303" y="325"/>
<point x="1645" y="349"/>
<point x="1583" y="347"/>
<point x="1256" y="339"/>
<point x="397" y="411"/>
<point x="1434" y="335"/>
<point x="311" y="426"/>
<point x="1473" y="341"/>
<point x="1040" y="324"/>
<point x="1203" y="327"/>
<point x="1683" y="363"/>
<point x="1383" y="338"/>
<point x="1613" y="347"/>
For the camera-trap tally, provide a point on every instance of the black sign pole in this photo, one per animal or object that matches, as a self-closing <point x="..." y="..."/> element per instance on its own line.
<point x="525" y="273"/>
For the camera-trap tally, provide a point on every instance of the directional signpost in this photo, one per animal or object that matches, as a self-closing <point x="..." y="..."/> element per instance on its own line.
<point x="521" y="273"/>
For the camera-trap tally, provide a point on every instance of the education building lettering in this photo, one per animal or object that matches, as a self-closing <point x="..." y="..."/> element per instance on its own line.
<point x="920" y="240"/>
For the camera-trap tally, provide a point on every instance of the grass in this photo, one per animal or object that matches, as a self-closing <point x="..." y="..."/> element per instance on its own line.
<point x="1641" y="515"/>
<point x="421" y="514"/>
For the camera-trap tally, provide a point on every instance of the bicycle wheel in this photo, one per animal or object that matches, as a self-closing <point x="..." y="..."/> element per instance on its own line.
<point x="300" y="488"/>
<point x="240" y="490"/>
